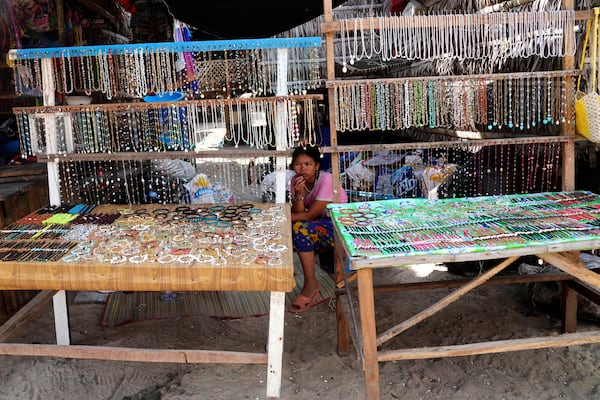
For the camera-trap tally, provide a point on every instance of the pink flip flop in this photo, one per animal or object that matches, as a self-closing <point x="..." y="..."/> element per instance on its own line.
<point x="302" y="302"/>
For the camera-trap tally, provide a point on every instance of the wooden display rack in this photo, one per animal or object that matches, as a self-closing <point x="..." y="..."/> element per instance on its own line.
<point x="141" y="276"/>
<point x="363" y="325"/>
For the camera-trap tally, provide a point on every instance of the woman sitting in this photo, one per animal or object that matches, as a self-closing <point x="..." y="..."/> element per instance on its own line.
<point x="312" y="230"/>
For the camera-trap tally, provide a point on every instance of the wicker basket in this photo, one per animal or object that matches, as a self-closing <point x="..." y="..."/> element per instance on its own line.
<point x="587" y="105"/>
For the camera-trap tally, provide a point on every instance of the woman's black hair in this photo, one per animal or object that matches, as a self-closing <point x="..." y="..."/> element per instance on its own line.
<point x="311" y="151"/>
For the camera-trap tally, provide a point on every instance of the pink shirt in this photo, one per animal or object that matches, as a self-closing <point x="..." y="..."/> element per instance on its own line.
<point x="323" y="191"/>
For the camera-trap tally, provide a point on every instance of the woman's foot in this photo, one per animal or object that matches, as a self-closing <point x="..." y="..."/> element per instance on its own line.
<point x="302" y="302"/>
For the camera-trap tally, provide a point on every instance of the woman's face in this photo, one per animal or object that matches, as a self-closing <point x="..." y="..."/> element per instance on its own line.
<point x="306" y="167"/>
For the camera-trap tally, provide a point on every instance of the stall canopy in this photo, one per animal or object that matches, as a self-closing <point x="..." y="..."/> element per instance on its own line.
<point x="232" y="19"/>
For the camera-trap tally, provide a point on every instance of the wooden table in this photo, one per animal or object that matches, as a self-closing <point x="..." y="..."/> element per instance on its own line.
<point x="389" y="233"/>
<point x="179" y="248"/>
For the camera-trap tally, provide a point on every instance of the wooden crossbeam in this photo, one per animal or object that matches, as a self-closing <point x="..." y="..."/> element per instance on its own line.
<point x="133" y="354"/>
<point x="498" y="346"/>
<point x="452" y="297"/>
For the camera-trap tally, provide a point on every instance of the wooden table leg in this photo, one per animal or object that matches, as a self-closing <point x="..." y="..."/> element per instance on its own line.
<point x="275" y="346"/>
<point x="343" y="330"/>
<point x="366" y="304"/>
<point x="61" y="318"/>
<point x="568" y="308"/>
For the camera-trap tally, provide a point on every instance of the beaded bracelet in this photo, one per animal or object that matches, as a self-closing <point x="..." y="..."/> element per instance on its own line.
<point x="186" y="259"/>
<point x="138" y="259"/>
<point x="166" y="258"/>
<point x="205" y="259"/>
<point x="118" y="259"/>
<point x="71" y="257"/>
<point x="274" y="261"/>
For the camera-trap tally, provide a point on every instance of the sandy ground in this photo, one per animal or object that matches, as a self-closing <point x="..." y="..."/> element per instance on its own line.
<point x="312" y="369"/>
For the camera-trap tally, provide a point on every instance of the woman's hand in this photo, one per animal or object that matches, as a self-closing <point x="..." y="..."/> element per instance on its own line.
<point x="299" y="185"/>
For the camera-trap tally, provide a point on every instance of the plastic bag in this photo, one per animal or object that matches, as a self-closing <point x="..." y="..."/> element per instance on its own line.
<point x="202" y="191"/>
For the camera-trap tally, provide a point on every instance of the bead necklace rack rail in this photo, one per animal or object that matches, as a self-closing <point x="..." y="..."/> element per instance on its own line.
<point x="135" y="70"/>
<point x="278" y="123"/>
<point x="532" y="105"/>
<point x="180" y="126"/>
<point x="458" y="36"/>
<point x="519" y="102"/>
<point x="403" y="227"/>
<point x="143" y="180"/>
<point x="451" y="169"/>
<point x="217" y="235"/>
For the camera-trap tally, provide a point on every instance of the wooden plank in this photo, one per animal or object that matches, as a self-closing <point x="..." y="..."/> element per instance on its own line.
<point x="275" y="346"/>
<point x="61" y="318"/>
<point x="386" y="262"/>
<point x="336" y="26"/>
<point x="452" y="283"/>
<point x="92" y="276"/>
<point x="29" y="311"/>
<point x="481" y="279"/>
<point x="368" y="330"/>
<point x="13" y="189"/>
<point x="342" y="283"/>
<point x="571" y="264"/>
<point x="499" y="346"/>
<point x="33" y="171"/>
<point x="440" y="144"/>
<point x="343" y="328"/>
<point x="132" y="354"/>
<point x="591" y="293"/>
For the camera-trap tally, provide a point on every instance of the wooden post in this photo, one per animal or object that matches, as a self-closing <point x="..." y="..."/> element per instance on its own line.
<point x="343" y="328"/>
<point x="275" y="347"/>
<point x="61" y="318"/>
<point x="568" y="128"/>
<point x="60" y="22"/>
<point x="280" y="133"/>
<point x="330" y="59"/>
<point x="568" y="308"/>
<point x="368" y="332"/>
<point x="343" y="344"/>
<point x="51" y="134"/>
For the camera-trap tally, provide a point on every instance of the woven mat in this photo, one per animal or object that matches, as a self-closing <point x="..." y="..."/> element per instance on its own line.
<point x="126" y="307"/>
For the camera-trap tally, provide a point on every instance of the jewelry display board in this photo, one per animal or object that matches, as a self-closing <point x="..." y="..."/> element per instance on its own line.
<point x="150" y="248"/>
<point x="237" y="247"/>
<point x="408" y="228"/>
